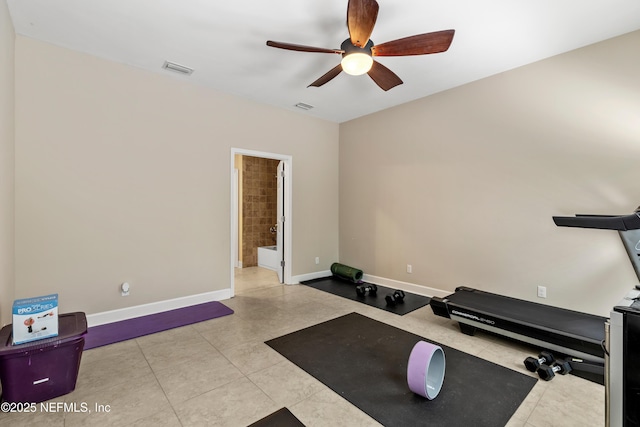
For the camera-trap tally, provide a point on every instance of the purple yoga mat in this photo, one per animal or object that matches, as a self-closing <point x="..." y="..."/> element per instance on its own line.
<point x="110" y="333"/>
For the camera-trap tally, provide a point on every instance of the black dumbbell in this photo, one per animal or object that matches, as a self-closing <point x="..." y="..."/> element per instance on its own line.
<point x="546" y="372"/>
<point x="370" y="289"/>
<point x="532" y="364"/>
<point x="395" y="298"/>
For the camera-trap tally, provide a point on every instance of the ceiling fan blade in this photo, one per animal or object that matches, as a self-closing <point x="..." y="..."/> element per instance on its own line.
<point x="384" y="77"/>
<point x="420" y="44"/>
<point x="328" y="76"/>
<point x="301" y="48"/>
<point x="361" y="17"/>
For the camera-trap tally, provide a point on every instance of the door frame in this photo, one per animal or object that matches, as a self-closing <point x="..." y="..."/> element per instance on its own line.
<point x="288" y="224"/>
<point x="280" y="217"/>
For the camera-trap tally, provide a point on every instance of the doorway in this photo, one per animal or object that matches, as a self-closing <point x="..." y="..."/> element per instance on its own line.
<point x="281" y="228"/>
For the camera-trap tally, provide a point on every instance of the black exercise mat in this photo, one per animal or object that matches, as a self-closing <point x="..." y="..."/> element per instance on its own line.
<point x="281" y="418"/>
<point x="347" y="289"/>
<point x="365" y="361"/>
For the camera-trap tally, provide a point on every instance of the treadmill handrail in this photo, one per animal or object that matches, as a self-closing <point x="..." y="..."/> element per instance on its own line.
<point x="601" y="222"/>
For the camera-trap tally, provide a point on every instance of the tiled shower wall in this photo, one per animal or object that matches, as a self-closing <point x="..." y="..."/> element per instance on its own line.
<point x="259" y="194"/>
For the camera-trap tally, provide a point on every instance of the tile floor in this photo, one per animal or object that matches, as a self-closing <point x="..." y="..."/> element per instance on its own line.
<point x="220" y="372"/>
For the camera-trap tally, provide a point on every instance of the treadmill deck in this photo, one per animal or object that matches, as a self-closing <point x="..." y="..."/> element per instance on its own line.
<point x="570" y="332"/>
<point x="551" y="318"/>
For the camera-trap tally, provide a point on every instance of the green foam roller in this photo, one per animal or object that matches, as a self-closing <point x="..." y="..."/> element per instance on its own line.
<point x="346" y="272"/>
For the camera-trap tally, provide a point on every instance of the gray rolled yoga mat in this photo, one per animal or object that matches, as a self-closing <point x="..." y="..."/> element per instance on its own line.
<point x="346" y="272"/>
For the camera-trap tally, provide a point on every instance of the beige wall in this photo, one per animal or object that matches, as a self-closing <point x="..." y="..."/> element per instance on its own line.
<point x="121" y="174"/>
<point x="7" y="37"/>
<point x="463" y="184"/>
<point x="124" y="175"/>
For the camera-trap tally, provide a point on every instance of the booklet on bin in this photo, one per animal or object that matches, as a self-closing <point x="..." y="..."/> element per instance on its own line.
<point x="35" y="318"/>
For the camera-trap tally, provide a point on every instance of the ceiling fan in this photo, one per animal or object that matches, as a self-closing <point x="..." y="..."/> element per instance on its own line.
<point x="358" y="50"/>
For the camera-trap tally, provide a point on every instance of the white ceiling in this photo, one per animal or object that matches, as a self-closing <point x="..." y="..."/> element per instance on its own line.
<point x="224" y="41"/>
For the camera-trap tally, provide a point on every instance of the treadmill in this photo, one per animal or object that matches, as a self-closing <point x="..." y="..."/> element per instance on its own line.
<point x="579" y="336"/>
<point x="623" y="328"/>
<point x="592" y="344"/>
<point x="562" y="331"/>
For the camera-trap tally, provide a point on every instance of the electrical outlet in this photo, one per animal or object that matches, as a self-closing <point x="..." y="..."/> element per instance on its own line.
<point x="409" y="268"/>
<point x="124" y="289"/>
<point x="542" y="291"/>
<point x="317" y="260"/>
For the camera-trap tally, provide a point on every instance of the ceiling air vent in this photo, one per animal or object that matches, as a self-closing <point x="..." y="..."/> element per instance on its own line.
<point x="177" y="68"/>
<point x="303" y="106"/>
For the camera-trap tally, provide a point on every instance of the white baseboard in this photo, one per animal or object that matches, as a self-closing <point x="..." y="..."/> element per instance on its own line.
<point x="310" y="276"/>
<point x="155" y="307"/>
<point x="405" y="286"/>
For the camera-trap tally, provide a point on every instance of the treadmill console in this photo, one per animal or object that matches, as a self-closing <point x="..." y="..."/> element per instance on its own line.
<point x="630" y="303"/>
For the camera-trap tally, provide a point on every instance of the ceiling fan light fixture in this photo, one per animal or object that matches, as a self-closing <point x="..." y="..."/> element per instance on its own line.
<point x="358" y="50"/>
<point x="356" y="64"/>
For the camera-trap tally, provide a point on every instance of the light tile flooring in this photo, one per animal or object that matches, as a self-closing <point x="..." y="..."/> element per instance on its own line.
<point x="220" y="372"/>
